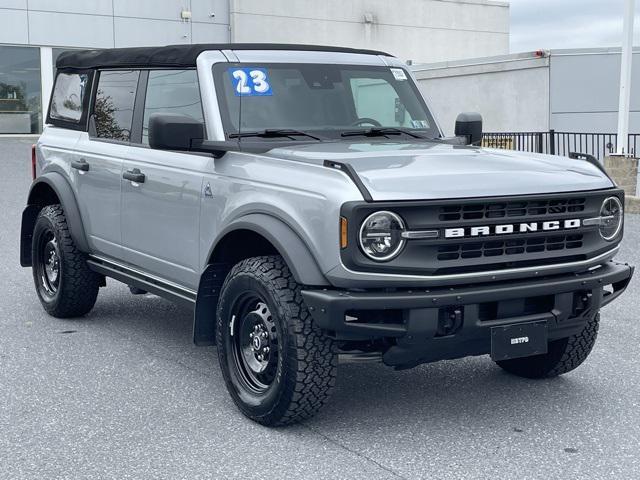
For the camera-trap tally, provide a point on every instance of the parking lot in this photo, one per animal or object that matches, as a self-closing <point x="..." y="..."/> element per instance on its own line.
<point x="123" y="393"/>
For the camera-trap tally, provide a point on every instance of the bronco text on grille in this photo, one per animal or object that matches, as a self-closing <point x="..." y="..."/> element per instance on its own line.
<point x="504" y="229"/>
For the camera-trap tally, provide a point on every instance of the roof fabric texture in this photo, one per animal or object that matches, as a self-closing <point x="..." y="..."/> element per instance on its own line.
<point x="174" y="55"/>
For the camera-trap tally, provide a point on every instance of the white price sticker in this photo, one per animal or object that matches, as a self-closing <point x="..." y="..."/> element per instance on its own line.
<point x="399" y="74"/>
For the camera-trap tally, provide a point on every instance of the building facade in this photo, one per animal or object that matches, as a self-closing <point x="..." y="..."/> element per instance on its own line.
<point x="565" y="90"/>
<point x="34" y="32"/>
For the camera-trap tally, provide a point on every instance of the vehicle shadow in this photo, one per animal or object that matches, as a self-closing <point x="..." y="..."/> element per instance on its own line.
<point x="372" y="396"/>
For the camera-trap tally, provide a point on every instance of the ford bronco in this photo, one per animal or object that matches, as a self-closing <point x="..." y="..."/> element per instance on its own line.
<point x="305" y="204"/>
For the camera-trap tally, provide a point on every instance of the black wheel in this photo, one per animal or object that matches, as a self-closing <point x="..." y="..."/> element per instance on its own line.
<point x="562" y="356"/>
<point x="278" y="366"/>
<point x="65" y="285"/>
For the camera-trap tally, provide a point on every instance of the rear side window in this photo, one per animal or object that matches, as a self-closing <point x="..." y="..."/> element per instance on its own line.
<point x="69" y="96"/>
<point x="171" y="91"/>
<point x="113" y="109"/>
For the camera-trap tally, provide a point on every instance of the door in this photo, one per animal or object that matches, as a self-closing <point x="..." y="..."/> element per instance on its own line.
<point x="99" y="161"/>
<point x="161" y="190"/>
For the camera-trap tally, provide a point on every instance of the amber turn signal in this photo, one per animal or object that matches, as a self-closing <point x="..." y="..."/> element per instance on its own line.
<point x="343" y="232"/>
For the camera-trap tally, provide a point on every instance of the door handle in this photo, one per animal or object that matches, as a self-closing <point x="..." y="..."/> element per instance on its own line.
<point x="134" y="175"/>
<point x="81" y="165"/>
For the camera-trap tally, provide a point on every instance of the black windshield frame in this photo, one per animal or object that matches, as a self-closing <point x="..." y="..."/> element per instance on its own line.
<point x="220" y="70"/>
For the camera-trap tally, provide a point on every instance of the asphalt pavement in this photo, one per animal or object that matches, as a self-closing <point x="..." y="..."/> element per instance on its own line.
<point x="124" y="393"/>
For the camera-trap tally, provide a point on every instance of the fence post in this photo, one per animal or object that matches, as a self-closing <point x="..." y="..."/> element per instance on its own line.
<point x="552" y="142"/>
<point x="539" y="148"/>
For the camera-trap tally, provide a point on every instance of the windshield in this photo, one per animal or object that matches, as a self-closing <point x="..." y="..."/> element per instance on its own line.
<point x="325" y="100"/>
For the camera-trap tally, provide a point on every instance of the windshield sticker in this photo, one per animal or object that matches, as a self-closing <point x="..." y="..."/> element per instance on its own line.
<point x="399" y="74"/>
<point x="419" y="124"/>
<point x="248" y="82"/>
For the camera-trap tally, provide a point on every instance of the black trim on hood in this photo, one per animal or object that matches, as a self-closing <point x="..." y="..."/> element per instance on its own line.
<point x="352" y="174"/>
<point x="592" y="160"/>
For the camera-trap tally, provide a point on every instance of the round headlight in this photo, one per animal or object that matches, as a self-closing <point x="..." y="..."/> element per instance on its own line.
<point x="381" y="236"/>
<point x="611" y="218"/>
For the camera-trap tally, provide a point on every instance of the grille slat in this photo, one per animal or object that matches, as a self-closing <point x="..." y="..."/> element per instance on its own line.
<point x="509" y="247"/>
<point x="516" y="209"/>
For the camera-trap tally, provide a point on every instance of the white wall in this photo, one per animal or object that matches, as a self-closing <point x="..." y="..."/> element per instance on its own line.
<point x="511" y="92"/>
<point x="420" y="30"/>
<point x="584" y="91"/>
<point x="112" y="23"/>
<point x="567" y="90"/>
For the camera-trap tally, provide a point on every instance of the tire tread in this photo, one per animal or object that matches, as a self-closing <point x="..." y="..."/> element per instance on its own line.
<point x="79" y="285"/>
<point x="309" y="386"/>
<point x="564" y="355"/>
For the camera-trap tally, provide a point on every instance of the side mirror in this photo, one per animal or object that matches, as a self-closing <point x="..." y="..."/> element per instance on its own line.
<point x="171" y="131"/>
<point x="469" y="125"/>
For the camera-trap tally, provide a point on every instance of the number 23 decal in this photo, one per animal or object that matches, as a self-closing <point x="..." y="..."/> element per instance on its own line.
<point x="250" y="82"/>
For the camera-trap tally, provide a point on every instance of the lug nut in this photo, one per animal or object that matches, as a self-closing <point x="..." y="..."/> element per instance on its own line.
<point x="260" y="357"/>
<point x="266" y="350"/>
<point x="265" y="334"/>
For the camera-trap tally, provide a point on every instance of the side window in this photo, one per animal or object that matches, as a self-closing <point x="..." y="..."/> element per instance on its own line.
<point x="114" y="104"/>
<point x="171" y="91"/>
<point x="68" y="96"/>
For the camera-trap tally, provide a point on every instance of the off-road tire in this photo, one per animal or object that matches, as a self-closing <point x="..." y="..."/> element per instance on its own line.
<point x="306" y="368"/>
<point x="78" y="286"/>
<point x="563" y="355"/>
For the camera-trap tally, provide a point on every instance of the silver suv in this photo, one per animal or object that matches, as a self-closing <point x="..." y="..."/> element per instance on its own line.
<point x="305" y="204"/>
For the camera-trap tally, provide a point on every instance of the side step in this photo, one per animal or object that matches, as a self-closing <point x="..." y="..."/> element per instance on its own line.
<point x="144" y="281"/>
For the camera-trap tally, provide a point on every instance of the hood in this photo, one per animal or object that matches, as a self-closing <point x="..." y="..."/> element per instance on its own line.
<point x="419" y="171"/>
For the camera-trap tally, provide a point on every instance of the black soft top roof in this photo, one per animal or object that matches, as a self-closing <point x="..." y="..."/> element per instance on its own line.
<point x="174" y="55"/>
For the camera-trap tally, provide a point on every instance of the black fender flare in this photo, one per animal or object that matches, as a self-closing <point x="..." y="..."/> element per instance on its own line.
<point x="64" y="192"/>
<point x="299" y="259"/>
<point x="287" y="242"/>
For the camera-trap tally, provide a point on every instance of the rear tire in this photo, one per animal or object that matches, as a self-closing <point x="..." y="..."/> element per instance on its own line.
<point x="563" y="355"/>
<point x="279" y="368"/>
<point x="65" y="285"/>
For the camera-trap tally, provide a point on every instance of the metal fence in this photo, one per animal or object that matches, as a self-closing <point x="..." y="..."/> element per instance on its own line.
<point x="561" y="143"/>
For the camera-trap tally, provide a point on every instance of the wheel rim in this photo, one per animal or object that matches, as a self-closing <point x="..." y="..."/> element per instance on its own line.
<point x="254" y="342"/>
<point x="49" y="268"/>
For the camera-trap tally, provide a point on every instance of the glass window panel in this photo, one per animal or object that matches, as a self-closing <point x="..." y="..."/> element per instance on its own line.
<point x="20" y="90"/>
<point x="68" y="96"/>
<point x="113" y="109"/>
<point x="172" y="91"/>
<point x="322" y="99"/>
<point x="376" y="99"/>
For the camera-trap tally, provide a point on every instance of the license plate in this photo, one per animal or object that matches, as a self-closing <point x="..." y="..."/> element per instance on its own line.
<point x="520" y="340"/>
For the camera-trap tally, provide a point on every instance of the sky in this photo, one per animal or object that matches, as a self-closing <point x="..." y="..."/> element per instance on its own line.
<point x="547" y="24"/>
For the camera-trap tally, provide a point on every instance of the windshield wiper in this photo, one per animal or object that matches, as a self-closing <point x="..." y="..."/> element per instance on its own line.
<point x="380" y="132"/>
<point x="275" y="133"/>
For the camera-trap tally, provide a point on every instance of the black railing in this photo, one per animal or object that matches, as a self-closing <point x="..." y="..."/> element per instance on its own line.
<point x="561" y="143"/>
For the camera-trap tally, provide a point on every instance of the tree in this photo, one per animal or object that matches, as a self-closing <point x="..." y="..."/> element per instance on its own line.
<point x="106" y="123"/>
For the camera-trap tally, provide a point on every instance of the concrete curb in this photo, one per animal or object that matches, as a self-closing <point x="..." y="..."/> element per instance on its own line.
<point x="19" y="135"/>
<point x="632" y="204"/>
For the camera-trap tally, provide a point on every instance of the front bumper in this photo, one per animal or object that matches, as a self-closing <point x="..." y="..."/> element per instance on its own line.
<point x="450" y="322"/>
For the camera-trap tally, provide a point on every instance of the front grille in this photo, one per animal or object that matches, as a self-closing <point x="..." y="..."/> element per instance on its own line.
<point x="480" y="211"/>
<point x="481" y="246"/>
<point x="509" y="247"/>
